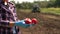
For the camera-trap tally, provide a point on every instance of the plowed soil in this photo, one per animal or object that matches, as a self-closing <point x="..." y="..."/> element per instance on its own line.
<point x="47" y="23"/>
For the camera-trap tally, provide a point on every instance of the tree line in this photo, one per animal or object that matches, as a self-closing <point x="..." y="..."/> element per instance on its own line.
<point x="42" y="4"/>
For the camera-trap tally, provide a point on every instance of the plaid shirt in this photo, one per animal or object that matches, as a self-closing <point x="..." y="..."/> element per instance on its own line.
<point x="7" y="14"/>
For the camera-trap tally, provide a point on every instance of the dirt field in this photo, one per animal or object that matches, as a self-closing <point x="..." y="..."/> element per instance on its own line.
<point x="47" y="23"/>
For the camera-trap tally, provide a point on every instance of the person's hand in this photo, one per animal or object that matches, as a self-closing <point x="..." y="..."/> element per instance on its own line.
<point x="11" y="23"/>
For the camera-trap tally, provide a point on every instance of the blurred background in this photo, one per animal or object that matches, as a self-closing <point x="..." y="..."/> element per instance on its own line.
<point x="48" y="17"/>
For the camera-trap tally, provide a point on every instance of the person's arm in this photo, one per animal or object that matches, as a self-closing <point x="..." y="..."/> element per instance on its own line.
<point x="20" y="23"/>
<point x="24" y="23"/>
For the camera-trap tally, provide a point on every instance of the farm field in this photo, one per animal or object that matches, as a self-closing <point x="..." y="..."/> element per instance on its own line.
<point x="48" y="23"/>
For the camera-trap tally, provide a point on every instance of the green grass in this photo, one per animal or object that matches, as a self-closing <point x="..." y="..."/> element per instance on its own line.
<point x="24" y="10"/>
<point x="51" y="10"/>
<point x="44" y="10"/>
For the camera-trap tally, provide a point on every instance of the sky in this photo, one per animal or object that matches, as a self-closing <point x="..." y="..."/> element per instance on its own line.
<point x="20" y="1"/>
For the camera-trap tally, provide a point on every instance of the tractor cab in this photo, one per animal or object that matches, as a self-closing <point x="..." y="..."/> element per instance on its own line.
<point x="36" y="8"/>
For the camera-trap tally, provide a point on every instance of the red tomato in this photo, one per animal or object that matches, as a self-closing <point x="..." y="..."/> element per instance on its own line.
<point x="34" y="21"/>
<point x="28" y="21"/>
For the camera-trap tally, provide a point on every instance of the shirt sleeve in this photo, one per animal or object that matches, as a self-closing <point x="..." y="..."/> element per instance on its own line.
<point x="13" y="11"/>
